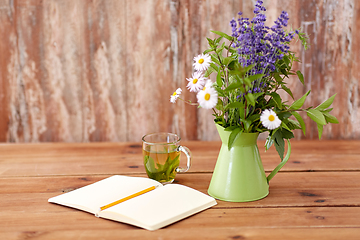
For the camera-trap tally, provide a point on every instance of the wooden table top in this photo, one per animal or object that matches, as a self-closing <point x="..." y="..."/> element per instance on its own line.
<point x="315" y="196"/>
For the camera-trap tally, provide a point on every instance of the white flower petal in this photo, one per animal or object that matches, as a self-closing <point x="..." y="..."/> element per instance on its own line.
<point x="172" y="99"/>
<point x="202" y="62"/>
<point x="196" y="82"/>
<point x="269" y="119"/>
<point x="208" y="83"/>
<point x="207" y="98"/>
<point x="175" y="95"/>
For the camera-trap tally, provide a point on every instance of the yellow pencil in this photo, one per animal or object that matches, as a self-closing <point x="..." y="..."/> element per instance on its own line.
<point x="128" y="197"/>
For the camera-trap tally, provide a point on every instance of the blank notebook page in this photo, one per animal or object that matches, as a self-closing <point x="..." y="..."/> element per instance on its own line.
<point x="163" y="204"/>
<point x="92" y="197"/>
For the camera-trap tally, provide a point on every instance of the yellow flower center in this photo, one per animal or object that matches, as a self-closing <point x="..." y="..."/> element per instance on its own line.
<point x="174" y="94"/>
<point x="271" y="118"/>
<point x="207" y="97"/>
<point x="201" y="61"/>
<point x="195" y="81"/>
<point x="204" y="88"/>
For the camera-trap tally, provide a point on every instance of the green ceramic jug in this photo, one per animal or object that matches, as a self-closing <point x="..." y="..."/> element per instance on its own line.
<point x="239" y="175"/>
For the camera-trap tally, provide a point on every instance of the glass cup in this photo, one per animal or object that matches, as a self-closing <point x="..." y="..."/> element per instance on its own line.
<point x="161" y="152"/>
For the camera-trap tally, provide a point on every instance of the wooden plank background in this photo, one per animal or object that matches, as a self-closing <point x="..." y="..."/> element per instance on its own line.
<point x="103" y="70"/>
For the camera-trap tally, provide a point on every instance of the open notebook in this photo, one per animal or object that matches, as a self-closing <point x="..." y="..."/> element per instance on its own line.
<point x="152" y="210"/>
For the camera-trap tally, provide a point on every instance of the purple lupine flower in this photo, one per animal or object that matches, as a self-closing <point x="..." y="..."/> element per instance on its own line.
<point x="261" y="45"/>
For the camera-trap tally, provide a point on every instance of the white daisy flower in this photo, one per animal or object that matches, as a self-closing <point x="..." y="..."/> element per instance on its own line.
<point x="208" y="84"/>
<point x="269" y="119"/>
<point x="202" y="62"/>
<point x="175" y="95"/>
<point x="196" y="82"/>
<point x="207" y="98"/>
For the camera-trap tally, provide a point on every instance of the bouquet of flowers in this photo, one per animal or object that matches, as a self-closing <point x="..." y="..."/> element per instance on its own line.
<point x="251" y="66"/>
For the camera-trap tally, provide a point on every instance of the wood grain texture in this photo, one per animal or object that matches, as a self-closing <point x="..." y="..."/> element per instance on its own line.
<point x="125" y="158"/>
<point x="315" y="196"/>
<point x="302" y="189"/>
<point x="82" y="71"/>
<point x="212" y="234"/>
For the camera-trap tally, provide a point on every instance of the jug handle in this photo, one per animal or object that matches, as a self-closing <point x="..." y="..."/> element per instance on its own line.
<point x="286" y="158"/>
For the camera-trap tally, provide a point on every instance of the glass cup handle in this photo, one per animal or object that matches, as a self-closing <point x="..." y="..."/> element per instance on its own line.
<point x="188" y="156"/>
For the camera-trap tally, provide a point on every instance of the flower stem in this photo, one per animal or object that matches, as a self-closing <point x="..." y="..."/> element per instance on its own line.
<point x="189" y="102"/>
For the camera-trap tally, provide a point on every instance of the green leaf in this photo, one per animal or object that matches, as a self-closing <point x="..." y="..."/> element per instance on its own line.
<point x="330" y="118"/>
<point x="247" y="82"/>
<point x="320" y="129"/>
<point x="286" y="133"/>
<point x="246" y="69"/>
<point x="233" y="135"/>
<point x="287" y="61"/>
<point x="234" y="105"/>
<point x="250" y="98"/>
<point x="276" y="98"/>
<point x="298" y="103"/>
<point x="220" y="105"/>
<point x="327" y="110"/>
<point x="279" y="144"/>
<point x="230" y="128"/>
<point x="231" y="50"/>
<point x="284" y="71"/>
<point x="220" y="49"/>
<point x="218" y="40"/>
<point x="233" y="86"/>
<point x="224" y="35"/>
<point x="242" y="113"/>
<point x="165" y="166"/>
<point x="255" y="77"/>
<point x="207" y="51"/>
<point x="149" y="164"/>
<point x="278" y="78"/>
<point x="284" y="115"/>
<point x="174" y="164"/>
<point x="234" y="65"/>
<point x="256" y="95"/>
<point x="286" y="89"/>
<point x="209" y="71"/>
<point x="221" y="92"/>
<point x="254" y="117"/>
<point x="211" y="43"/>
<point x="228" y="60"/>
<point x="284" y="126"/>
<point x="301" y="77"/>
<point x="326" y="103"/>
<point x="247" y="124"/>
<point x="269" y="142"/>
<point x="316" y="116"/>
<point x="215" y="59"/>
<point x="214" y="66"/>
<point x="292" y="124"/>
<point x="219" y="81"/>
<point x="300" y="120"/>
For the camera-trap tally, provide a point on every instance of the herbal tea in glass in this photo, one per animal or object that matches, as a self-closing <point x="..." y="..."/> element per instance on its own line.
<point x="161" y="166"/>
<point x="161" y="152"/>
